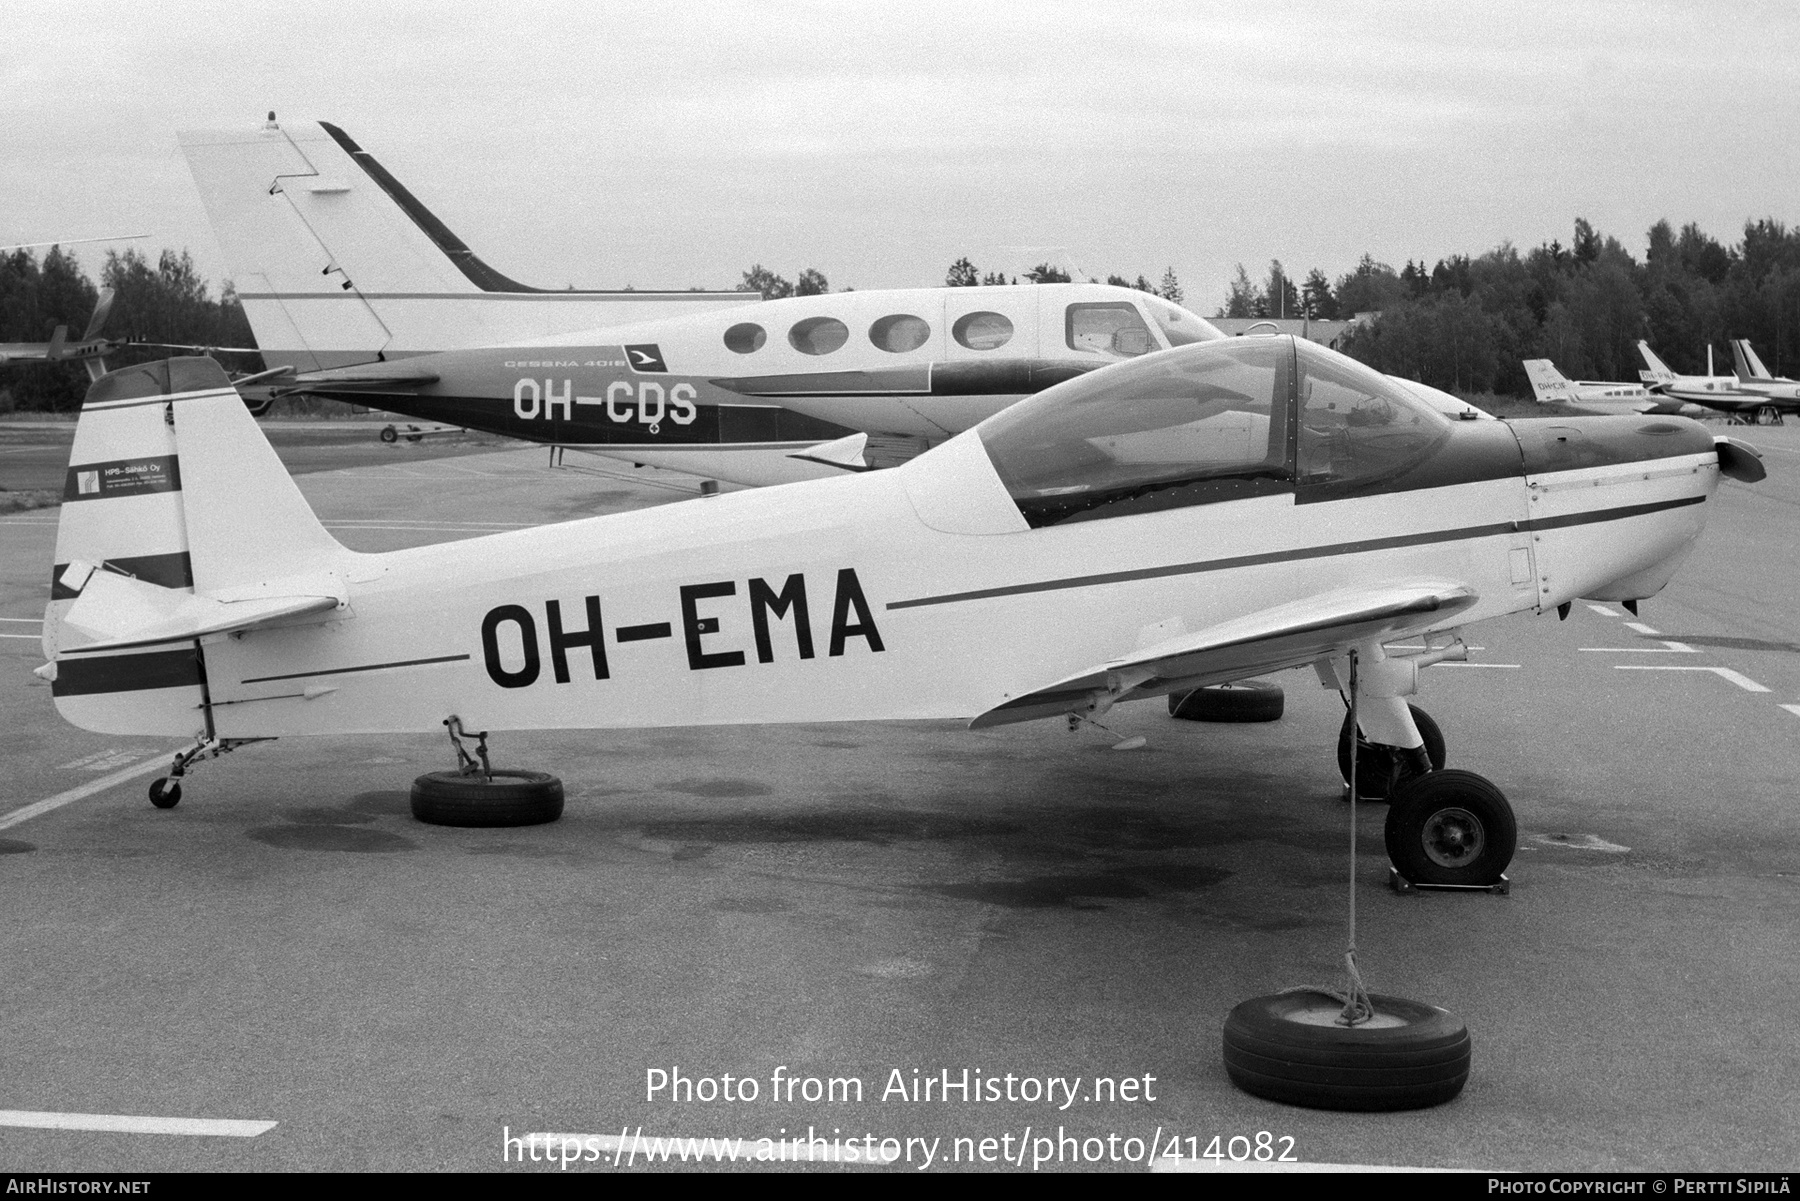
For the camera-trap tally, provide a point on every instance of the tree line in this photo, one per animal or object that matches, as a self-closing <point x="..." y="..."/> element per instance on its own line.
<point x="1466" y="323"/>
<point x="162" y="302"/>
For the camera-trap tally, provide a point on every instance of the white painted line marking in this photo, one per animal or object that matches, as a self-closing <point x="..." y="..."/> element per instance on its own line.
<point x="1794" y="709"/>
<point x="1667" y="648"/>
<point x="1641" y="628"/>
<point x="33" y="637"/>
<point x="1582" y="842"/>
<point x="31" y="621"/>
<point x="1724" y="673"/>
<point x="1603" y="611"/>
<point x="36" y="808"/>
<point x="133" y="1124"/>
<point x="101" y="760"/>
<point x="1448" y="663"/>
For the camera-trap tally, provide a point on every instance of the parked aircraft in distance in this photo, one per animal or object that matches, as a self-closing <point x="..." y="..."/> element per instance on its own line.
<point x="1616" y="397"/>
<point x="90" y="349"/>
<point x="1752" y="376"/>
<point x="1212" y="513"/>
<point x="1721" y="393"/>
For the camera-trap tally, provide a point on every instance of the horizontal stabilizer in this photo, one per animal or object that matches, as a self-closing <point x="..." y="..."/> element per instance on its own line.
<point x="1288" y="635"/>
<point x="119" y="611"/>
<point x="845" y="452"/>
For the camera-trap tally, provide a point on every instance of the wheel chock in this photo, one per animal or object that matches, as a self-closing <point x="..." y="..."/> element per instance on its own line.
<point x="1399" y="883"/>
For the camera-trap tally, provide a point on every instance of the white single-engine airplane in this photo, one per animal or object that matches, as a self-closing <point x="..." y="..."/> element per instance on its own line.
<point x="1212" y="513"/>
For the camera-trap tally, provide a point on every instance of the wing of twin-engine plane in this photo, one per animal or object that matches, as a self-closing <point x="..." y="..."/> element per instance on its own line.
<point x="1290" y="635"/>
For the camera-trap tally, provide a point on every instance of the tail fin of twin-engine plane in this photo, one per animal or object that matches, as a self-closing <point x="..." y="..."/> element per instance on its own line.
<point x="1548" y="383"/>
<point x="1749" y="366"/>
<point x="337" y="263"/>
<point x="178" y="521"/>
<point x="1659" y="371"/>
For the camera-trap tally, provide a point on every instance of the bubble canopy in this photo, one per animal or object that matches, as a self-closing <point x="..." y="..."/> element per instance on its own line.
<point x="1201" y="424"/>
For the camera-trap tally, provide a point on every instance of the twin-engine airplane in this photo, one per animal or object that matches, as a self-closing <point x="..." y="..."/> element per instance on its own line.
<point x="368" y="298"/>
<point x="1212" y="513"/>
<point x="1613" y="397"/>
<point x="1720" y="393"/>
<point x="1753" y="377"/>
<point x="90" y="349"/>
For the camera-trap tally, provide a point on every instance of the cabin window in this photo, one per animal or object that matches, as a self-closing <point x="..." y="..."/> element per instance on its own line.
<point x="982" y="331"/>
<point x="818" y="335"/>
<point x="745" y="337"/>
<point x="1356" y="425"/>
<point x="1196" y="426"/>
<point x="899" y="333"/>
<point x="1114" y="329"/>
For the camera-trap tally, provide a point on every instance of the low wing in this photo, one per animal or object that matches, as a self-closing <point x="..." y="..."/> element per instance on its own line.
<point x="1290" y="635"/>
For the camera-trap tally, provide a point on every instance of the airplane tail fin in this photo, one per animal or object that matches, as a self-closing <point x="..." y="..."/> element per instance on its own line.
<point x="1659" y="370"/>
<point x="178" y="521"/>
<point x="1548" y="383"/>
<point x="54" y="351"/>
<point x="102" y="310"/>
<point x="1756" y="369"/>
<point x="336" y="262"/>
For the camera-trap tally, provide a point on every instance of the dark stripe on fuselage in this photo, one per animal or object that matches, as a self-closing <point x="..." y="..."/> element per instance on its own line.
<point x="1311" y="552"/>
<point x="344" y="671"/>
<point x="713" y="425"/>
<point x="128" y="673"/>
<point x="165" y="571"/>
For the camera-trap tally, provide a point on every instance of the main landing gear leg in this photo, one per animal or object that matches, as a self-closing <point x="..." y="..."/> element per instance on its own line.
<point x="1446" y="828"/>
<point x="165" y="792"/>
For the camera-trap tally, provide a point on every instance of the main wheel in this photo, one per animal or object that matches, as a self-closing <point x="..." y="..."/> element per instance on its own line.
<point x="1451" y="827"/>
<point x="165" y="793"/>
<point x="1289" y="1048"/>
<point x="1375" y="763"/>
<point x="1245" y="700"/>
<point x="389" y="434"/>
<point x="510" y="798"/>
<point x="1768" y="415"/>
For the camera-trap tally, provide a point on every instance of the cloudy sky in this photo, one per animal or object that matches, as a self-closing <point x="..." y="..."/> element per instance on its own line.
<point x="673" y="145"/>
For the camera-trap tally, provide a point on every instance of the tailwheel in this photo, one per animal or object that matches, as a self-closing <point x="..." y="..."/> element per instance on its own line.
<point x="1451" y="827"/>
<point x="165" y="793"/>
<point x="1378" y="765"/>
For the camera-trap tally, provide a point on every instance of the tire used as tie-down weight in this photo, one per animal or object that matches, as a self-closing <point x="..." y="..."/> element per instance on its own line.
<point x="1243" y="700"/>
<point x="505" y="798"/>
<point x="1375" y="763"/>
<point x="1289" y="1048"/>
